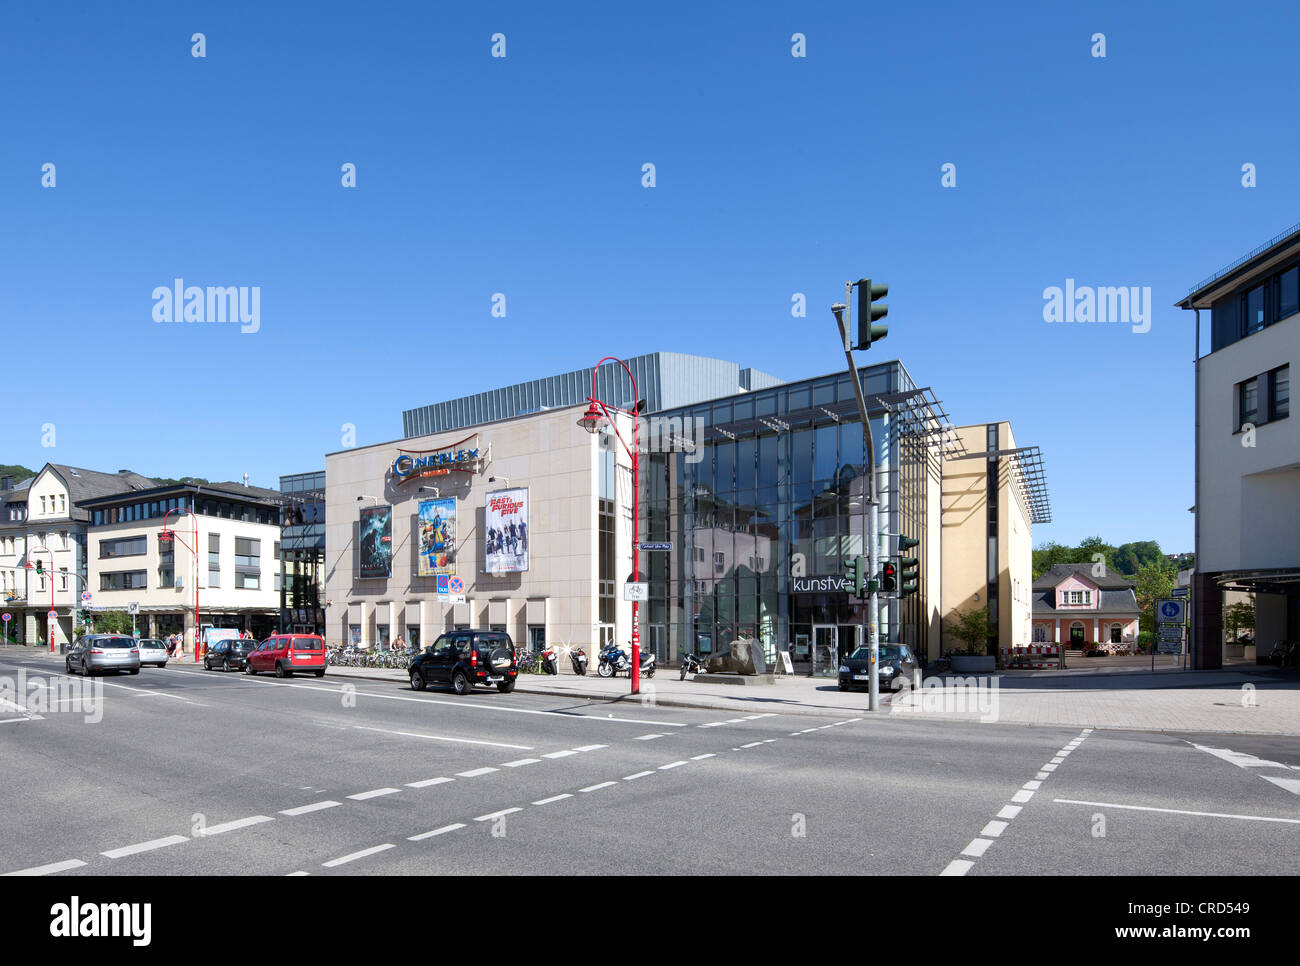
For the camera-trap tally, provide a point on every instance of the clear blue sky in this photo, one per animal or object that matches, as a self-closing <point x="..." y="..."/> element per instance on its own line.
<point x="522" y="175"/>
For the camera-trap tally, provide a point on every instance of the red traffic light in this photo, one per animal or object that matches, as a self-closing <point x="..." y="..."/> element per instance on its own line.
<point x="888" y="577"/>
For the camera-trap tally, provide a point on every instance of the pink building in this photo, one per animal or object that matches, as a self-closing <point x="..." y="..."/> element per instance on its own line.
<point x="1074" y="607"/>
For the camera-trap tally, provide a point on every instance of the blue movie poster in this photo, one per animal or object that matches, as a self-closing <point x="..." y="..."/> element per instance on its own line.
<point x="437" y="533"/>
<point x="375" y="543"/>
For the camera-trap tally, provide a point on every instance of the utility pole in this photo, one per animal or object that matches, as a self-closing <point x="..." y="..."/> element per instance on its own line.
<point x="868" y="332"/>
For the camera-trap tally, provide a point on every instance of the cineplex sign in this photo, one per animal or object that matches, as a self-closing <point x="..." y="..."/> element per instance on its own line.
<point x="418" y="464"/>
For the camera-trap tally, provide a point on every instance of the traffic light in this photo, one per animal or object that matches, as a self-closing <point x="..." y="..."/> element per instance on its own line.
<point x="40" y="567"/>
<point x="868" y="312"/>
<point x="888" y="577"/>
<point x="911" y="566"/>
<point x="856" y="570"/>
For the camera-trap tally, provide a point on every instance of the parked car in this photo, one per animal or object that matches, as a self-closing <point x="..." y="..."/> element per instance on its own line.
<point x="463" y="659"/>
<point x="897" y="668"/>
<point x="153" y="651"/>
<point x="287" y="655"/>
<point x="230" y="654"/>
<point x="97" y="653"/>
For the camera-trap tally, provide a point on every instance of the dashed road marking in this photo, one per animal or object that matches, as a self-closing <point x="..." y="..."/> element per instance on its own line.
<point x="647" y="737"/>
<point x="232" y="826"/>
<point x="702" y="757"/>
<point x="352" y="857"/>
<point x="497" y="814"/>
<point x="457" y="741"/>
<point x="145" y="846"/>
<point x="521" y="761"/>
<point x="475" y="772"/>
<point x="553" y="798"/>
<point x="640" y="774"/>
<point x="51" y="869"/>
<point x="1179" y="811"/>
<point x="313" y="807"/>
<point x="671" y="764"/>
<point x="429" y="781"/>
<point x="373" y="793"/>
<point x="590" y="747"/>
<point x="438" y="831"/>
<point x="593" y="788"/>
<point x="560" y="754"/>
<point x="977" y="847"/>
<point x="957" y="867"/>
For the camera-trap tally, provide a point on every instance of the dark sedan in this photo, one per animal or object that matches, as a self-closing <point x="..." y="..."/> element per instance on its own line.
<point x="230" y="654"/>
<point x="897" y="668"/>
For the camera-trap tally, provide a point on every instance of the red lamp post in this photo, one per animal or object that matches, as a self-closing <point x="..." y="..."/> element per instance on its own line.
<point x="597" y="413"/>
<point x="166" y="535"/>
<point x="49" y="621"/>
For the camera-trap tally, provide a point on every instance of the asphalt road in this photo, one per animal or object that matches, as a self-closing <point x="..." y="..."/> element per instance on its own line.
<point x="198" y="773"/>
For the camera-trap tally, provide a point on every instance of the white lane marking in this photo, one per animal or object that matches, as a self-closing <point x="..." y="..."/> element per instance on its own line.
<point x="977" y="847"/>
<point x="590" y="747"/>
<point x="474" y="772"/>
<point x="460" y="741"/>
<point x="313" y="807"/>
<point x="373" y="793"/>
<point x="1041" y="776"/>
<point x="1009" y="811"/>
<point x="640" y="774"/>
<point x="1179" y="811"/>
<point x="50" y="869"/>
<point x="553" y="798"/>
<point x="851" y="720"/>
<point x="994" y="829"/>
<point x="560" y="754"/>
<point x="1240" y="758"/>
<point x="671" y="764"/>
<point x="646" y="737"/>
<point x="1033" y="786"/>
<point x="1022" y="796"/>
<point x="1290" y="784"/>
<point x="352" y="857"/>
<point x="521" y="761"/>
<point x="429" y="781"/>
<point x="497" y="814"/>
<point x="1057" y="761"/>
<point x="29" y="717"/>
<point x="232" y="826"/>
<point x="702" y="757"/>
<point x="594" y="788"/>
<point x="438" y="831"/>
<point x="1048" y="767"/>
<point x="768" y="741"/>
<point x="713" y="724"/>
<point x="751" y="744"/>
<point x="292" y="874"/>
<point x="957" y="867"/>
<point x="751" y="717"/>
<point x="145" y="846"/>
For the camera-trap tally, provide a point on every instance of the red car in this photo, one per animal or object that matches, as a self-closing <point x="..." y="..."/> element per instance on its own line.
<point x="288" y="654"/>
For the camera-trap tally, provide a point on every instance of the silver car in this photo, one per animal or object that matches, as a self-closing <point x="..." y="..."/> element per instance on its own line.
<point x="153" y="651"/>
<point x="98" y="653"/>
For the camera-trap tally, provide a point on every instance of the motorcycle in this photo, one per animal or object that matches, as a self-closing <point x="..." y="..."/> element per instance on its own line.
<point x="614" y="660"/>
<point x="692" y="665"/>
<point x="579" y="659"/>
<point x="550" y="663"/>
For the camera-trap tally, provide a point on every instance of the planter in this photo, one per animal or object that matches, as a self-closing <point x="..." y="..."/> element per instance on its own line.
<point x="974" y="665"/>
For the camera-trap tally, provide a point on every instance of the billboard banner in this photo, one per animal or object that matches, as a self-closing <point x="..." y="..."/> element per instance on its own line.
<point x="437" y="543"/>
<point x="506" y="531"/>
<point x="375" y="543"/>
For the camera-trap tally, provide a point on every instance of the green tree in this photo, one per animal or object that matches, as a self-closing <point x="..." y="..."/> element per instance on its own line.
<point x="112" y="622"/>
<point x="973" y="628"/>
<point x="1240" y="615"/>
<point x="1153" y="582"/>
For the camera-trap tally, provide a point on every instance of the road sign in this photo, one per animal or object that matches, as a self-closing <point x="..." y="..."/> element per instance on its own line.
<point x="636" y="591"/>
<point x="8" y="618"/>
<point x="133" y="608"/>
<point x="1170" y="611"/>
<point x="458" y="598"/>
<point x="456" y="586"/>
<point x="86" y="596"/>
<point x="666" y="545"/>
<point x="1181" y="592"/>
<point x="440" y="583"/>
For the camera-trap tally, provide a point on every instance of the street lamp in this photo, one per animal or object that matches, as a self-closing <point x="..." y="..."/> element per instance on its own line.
<point x="596" y="415"/>
<point x="49" y="626"/>
<point x="166" y="535"/>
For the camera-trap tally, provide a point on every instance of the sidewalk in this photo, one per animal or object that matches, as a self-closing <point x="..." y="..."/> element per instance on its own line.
<point x="1237" y="700"/>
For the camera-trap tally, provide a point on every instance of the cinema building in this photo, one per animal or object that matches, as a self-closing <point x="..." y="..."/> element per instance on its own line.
<point x="498" y="511"/>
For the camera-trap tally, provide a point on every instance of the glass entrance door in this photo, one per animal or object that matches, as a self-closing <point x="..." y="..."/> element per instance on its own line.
<point x="825" y="645"/>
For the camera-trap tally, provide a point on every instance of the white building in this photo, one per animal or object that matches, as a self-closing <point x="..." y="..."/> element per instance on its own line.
<point x="1247" y="448"/>
<point x="234" y="530"/>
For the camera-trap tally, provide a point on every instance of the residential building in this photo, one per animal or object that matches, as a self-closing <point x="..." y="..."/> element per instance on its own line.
<point x="1081" y="604"/>
<point x="1247" y="456"/>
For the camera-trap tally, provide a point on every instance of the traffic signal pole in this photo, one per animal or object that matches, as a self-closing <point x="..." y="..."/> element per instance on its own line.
<point x="873" y="508"/>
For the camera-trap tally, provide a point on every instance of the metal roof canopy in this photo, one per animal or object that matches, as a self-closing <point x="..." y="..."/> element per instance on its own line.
<point x="1032" y="478"/>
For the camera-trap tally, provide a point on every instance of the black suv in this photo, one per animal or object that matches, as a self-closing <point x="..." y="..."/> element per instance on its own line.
<point x="230" y="653"/>
<point x="466" y="658"/>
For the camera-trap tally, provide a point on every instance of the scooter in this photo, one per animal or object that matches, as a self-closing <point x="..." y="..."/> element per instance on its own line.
<point x="614" y="660"/>
<point x="578" y="657"/>
<point x="692" y="665"/>
<point x="550" y="663"/>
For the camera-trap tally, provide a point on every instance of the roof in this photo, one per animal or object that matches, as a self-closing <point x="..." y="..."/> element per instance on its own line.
<point x="1207" y="291"/>
<point x="256" y="493"/>
<point x="84" y="484"/>
<point x="1061" y="572"/>
<point x="1110" y="604"/>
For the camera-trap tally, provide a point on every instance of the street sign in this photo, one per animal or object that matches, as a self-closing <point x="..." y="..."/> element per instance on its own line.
<point x="666" y="545"/>
<point x="1170" y="611"/>
<point x="458" y="598"/>
<point x="456" y="586"/>
<point x="8" y="618"/>
<point x="441" y="582"/>
<point x="636" y="591"/>
<point x="52" y="614"/>
<point x="86" y="596"/>
<point x="1181" y="592"/>
<point x="133" y="608"/>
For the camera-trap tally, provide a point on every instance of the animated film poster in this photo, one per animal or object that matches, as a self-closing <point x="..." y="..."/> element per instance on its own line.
<point x="436" y="524"/>
<point x="375" y="542"/>
<point x="506" y="531"/>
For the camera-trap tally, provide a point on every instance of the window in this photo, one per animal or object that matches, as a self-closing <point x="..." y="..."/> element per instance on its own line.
<point x="1247" y="402"/>
<point x="1289" y="293"/>
<point x="42" y="504"/>
<point x="536" y="638"/>
<point x="246" y="581"/>
<point x="719" y="562"/>
<point x="1040" y="634"/>
<point x="63" y="503"/>
<point x="1255" y="309"/>
<point x="214" y="560"/>
<point x="1116" y="634"/>
<point x="1279" y="393"/>
<point x="123" y="547"/>
<point x="123" y="580"/>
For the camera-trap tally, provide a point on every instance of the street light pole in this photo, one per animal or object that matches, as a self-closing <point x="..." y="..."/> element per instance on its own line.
<point x="49" y="621"/>
<point x="164" y="533"/>
<point x="591" y="421"/>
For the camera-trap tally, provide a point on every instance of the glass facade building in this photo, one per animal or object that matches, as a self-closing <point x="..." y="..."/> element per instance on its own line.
<point x="302" y="553"/>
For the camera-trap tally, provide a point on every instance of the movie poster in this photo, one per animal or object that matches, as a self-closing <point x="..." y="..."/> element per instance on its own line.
<point x="375" y="543"/>
<point x="506" y="531"/>
<point x="437" y="537"/>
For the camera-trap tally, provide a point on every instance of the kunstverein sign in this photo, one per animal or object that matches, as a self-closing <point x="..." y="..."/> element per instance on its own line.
<point x="419" y="464"/>
<point x="805" y="585"/>
<point x="375" y="543"/>
<point x="437" y="538"/>
<point x="505" y="537"/>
